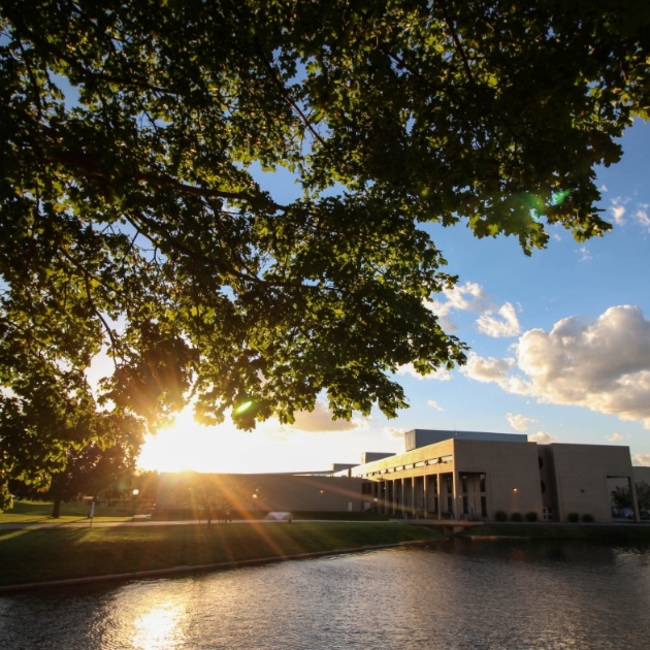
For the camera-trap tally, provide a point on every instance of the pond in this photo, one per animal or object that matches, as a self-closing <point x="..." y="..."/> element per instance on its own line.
<point x="480" y="595"/>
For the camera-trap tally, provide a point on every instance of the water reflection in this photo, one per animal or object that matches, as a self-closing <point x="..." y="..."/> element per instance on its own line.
<point x="161" y="626"/>
<point x="481" y="595"/>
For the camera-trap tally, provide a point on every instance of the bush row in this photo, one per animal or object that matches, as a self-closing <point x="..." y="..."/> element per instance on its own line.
<point x="573" y="517"/>
<point x="500" y="515"/>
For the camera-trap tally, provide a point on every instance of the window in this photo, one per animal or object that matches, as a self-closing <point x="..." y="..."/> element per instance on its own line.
<point x="463" y="483"/>
<point x="540" y="461"/>
<point x="482" y="480"/>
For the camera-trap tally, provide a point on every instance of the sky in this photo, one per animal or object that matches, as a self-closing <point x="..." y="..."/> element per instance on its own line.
<point x="560" y="348"/>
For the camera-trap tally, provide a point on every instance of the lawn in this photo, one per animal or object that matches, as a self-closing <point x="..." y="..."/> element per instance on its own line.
<point x="34" y="555"/>
<point x="41" y="511"/>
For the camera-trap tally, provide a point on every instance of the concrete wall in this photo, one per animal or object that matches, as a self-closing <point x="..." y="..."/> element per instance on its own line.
<point x="581" y="477"/>
<point x="274" y="492"/>
<point x="512" y="473"/>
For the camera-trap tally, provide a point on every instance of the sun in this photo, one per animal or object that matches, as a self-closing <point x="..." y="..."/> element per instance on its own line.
<point x="189" y="445"/>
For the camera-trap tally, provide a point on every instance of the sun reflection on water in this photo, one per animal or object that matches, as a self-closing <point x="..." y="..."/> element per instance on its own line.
<point x="160" y="626"/>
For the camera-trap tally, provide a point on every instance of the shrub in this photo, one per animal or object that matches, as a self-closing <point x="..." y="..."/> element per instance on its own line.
<point x="574" y="517"/>
<point x="531" y="516"/>
<point x="516" y="516"/>
<point x="588" y="519"/>
<point x="499" y="515"/>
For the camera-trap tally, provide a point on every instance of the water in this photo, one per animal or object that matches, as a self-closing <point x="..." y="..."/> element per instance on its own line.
<point x="453" y="595"/>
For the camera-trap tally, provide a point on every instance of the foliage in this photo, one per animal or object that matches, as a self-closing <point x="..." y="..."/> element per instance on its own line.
<point x="587" y="518"/>
<point x="573" y="517"/>
<point x="531" y="516"/>
<point x="132" y="221"/>
<point x="516" y="517"/>
<point x="102" y="468"/>
<point x="622" y="498"/>
<point x="500" y="516"/>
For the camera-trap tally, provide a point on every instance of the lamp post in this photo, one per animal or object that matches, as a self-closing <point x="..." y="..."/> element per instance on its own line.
<point x="135" y="494"/>
<point x="255" y="503"/>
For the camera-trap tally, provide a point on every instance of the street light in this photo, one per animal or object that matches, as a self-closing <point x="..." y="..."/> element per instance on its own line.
<point x="254" y="502"/>
<point x="135" y="494"/>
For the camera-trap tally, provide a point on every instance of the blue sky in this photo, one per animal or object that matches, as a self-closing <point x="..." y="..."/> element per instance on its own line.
<point x="560" y="348"/>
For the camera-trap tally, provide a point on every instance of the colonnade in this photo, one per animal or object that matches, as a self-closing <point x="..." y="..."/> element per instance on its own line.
<point x="431" y="495"/>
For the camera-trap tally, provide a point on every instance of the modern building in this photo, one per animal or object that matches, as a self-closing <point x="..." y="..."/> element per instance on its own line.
<point x="473" y="475"/>
<point x="443" y="475"/>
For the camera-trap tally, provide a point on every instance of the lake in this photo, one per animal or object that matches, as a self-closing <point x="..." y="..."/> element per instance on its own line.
<point x="503" y="595"/>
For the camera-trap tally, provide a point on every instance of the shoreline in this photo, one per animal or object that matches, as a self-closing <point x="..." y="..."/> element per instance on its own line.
<point x="199" y="568"/>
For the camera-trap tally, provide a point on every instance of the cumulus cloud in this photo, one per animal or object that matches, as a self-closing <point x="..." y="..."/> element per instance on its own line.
<point x="584" y="254"/>
<point x="603" y="365"/>
<point x="395" y="432"/>
<point x="320" y="420"/>
<point x="469" y="296"/>
<point x="615" y="437"/>
<point x="440" y="375"/>
<point x="519" y="422"/>
<point x="493" y="320"/>
<point x="641" y="459"/>
<point x="507" y="324"/>
<point x="541" y="438"/>
<point x="434" y="405"/>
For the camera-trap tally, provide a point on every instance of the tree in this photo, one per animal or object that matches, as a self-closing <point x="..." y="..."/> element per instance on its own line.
<point x="102" y="468"/>
<point x="622" y="498"/>
<point x="132" y="137"/>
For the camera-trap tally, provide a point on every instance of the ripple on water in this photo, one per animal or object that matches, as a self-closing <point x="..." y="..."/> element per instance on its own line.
<point x="460" y="595"/>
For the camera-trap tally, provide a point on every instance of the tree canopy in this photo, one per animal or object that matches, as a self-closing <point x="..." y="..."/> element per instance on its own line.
<point x="132" y="135"/>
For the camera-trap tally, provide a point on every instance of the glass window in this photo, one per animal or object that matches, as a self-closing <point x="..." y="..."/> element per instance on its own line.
<point x="463" y="483"/>
<point x="482" y="479"/>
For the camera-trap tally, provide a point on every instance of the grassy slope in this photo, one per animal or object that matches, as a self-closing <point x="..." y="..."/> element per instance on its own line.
<point x="50" y="554"/>
<point x="40" y="511"/>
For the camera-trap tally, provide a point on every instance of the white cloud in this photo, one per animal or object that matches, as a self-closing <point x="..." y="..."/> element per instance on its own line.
<point x="603" y="188"/>
<point x="642" y="215"/>
<point x="487" y="370"/>
<point x="519" y="422"/>
<point x="541" y="438"/>
<point x="507" y="325"/>
<point x="440" y="375"/>
<point x="320" y="420"/>
<point x="471" y="297"/>
<point x="618" y="210"/>
<point x="615" y="437"/>
<point x="641" y="459"/>
<point x="464" y="297"/>
<point x="434" y="405"/>
<point x="602" y="365"/>
<point x="585" y="256"/>
<point x="395" y="432"/>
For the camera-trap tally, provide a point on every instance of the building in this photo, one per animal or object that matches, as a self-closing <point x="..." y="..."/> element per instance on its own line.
<point x="443" y="475"/>
<point x="474" y="475"/>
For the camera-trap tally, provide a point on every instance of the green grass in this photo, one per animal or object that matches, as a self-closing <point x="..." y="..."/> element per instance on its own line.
<point x="34" y="555"/>
<point x="615" y="533"/>
<point x="41" y="511"/>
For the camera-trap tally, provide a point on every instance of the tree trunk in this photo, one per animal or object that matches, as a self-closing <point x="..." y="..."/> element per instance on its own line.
<point x="56" y="510"/>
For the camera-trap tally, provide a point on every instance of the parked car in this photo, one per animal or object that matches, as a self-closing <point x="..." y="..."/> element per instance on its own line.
<point x="279" y="516"/>
<point x="644" y="515"/>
